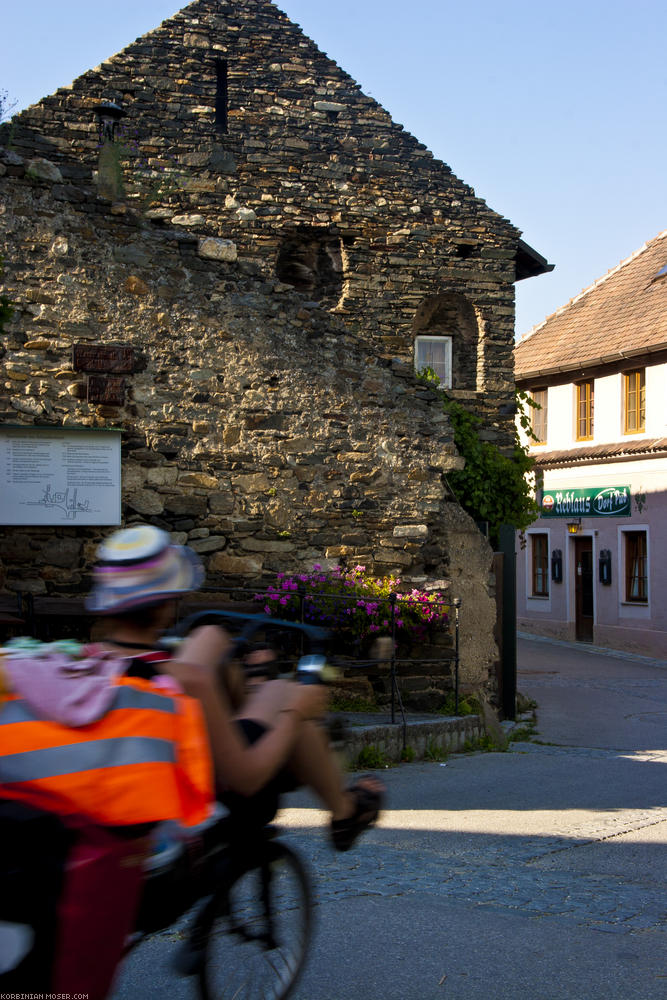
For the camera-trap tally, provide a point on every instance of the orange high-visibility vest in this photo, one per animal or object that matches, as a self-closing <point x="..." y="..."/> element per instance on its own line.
<point x="147" y="759"/>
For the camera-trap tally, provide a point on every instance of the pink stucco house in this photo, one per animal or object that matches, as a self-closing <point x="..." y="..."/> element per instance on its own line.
<point x="594" y="566"/>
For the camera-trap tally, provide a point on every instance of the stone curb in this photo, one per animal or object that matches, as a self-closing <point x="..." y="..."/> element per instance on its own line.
<point x="432" y="735"/>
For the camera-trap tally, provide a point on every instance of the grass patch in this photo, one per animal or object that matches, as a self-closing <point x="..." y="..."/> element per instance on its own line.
<point x="350" y="703"/>
<point x="434" y="751"/>
<point x="372" y="757"/>
<point x="485" y="744"/>
<point x="467" y="706"/>
<point x="408" y="755"/>
<point x="522" y="734"/>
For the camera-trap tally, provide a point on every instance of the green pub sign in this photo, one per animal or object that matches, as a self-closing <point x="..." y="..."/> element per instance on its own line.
<point x="610" y="501"/>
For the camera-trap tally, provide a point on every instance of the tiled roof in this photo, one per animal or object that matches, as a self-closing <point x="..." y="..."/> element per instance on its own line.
<point x="622" y="314"/>
<point x="634" y="448"/>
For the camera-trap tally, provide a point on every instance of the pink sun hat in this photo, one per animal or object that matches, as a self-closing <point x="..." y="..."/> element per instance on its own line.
<point x="139" y="566"/>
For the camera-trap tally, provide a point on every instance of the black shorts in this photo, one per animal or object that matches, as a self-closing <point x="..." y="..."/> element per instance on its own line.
<point x="259" y="809"/>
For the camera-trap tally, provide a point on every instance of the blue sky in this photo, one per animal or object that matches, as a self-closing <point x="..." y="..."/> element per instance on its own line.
<point x="555" y="113"/>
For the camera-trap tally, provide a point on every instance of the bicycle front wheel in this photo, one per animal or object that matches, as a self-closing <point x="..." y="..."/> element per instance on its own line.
<point x="260" y="930"/>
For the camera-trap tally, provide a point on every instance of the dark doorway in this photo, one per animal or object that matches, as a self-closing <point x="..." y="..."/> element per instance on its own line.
<point x="583" y="589"/>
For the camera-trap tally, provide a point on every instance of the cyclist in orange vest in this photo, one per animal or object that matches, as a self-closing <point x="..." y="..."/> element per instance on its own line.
<point x="106" y="756"/>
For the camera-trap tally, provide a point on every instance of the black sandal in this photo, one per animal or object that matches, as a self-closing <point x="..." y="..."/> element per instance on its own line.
<point x="368" y="803"/>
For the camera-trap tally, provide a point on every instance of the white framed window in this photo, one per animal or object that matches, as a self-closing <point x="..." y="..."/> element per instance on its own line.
<point x="634" y="571"/>
<point x="537" y="564"/>
<point x="435" y="353"/>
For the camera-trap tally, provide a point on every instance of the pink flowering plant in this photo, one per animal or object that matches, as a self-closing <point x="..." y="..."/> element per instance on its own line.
<point x="354" y="605"/>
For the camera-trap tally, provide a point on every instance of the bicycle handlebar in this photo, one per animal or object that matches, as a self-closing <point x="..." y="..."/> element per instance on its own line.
<point x="317" y="637"/>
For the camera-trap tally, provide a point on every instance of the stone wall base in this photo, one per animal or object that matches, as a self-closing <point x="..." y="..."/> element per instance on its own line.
<point x="425" y="738"/>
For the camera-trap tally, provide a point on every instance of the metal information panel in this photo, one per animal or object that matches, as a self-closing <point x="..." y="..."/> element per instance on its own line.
<point x="606" y="501"/>
<point x="98" y="358"/>
<point x="59" y="477"/>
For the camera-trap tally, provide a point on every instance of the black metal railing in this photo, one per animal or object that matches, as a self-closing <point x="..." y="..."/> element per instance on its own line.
<point x="394" y="659"/>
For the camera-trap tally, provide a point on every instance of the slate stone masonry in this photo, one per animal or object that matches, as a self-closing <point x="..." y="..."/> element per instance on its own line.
<point x="269" y="280"/>
<point x="305" y="155"/>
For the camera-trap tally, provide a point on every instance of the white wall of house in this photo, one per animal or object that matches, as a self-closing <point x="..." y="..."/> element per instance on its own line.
<point x="608" y="422"/>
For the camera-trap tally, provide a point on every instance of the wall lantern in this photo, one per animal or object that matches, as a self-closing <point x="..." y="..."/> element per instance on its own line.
<point x="108" y="117"/>
<point x="557" y="566"/>
<point x="574" y="527"/>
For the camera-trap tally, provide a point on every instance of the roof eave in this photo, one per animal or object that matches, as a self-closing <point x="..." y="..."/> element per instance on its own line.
<point x="530" y="263"/>
<point x="618" y="357"/>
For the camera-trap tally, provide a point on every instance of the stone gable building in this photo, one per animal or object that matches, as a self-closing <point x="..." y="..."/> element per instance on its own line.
<point x="275" y="255"/>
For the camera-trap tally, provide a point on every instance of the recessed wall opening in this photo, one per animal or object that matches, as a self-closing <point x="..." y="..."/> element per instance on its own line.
<point x="221" y="96"/>
<point x="449" y="319"/>
<point x="311" y="259"/>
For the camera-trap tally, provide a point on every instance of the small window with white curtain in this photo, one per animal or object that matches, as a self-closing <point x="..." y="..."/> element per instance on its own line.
<point x="435" y="353"/>
<point x="636" y="566"/>
<point x="539" y="545"/>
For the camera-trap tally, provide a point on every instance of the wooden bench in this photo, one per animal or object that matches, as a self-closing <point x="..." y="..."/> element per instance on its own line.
<point x="49" y="618"/>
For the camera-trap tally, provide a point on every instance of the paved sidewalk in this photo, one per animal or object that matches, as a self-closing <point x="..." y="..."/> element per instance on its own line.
<point x="591" y="697"/>
<point x="587" y="647"/>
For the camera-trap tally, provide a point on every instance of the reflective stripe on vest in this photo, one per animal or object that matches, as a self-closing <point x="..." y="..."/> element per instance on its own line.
<point x="35" y="765"/>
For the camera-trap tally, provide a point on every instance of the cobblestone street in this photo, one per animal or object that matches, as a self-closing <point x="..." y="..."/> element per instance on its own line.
<point x="543" y="873"/>
<point x="535" y="874"/>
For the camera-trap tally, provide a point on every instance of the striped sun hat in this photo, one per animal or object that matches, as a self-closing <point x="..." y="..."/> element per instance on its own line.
<point x="138" y="566"/>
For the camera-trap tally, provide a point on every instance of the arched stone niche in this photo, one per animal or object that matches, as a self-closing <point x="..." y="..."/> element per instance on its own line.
<point x="312" y="260"/>
<point x="452" y="315"/>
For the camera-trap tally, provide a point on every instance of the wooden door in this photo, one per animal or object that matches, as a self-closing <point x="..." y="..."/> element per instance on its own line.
<point x="583" y="589"/>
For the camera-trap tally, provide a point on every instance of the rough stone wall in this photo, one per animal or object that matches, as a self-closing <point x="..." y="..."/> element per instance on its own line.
<point x="278" y="245"/>
<point x="299" y="155"/>
<point x="257" y="427"/>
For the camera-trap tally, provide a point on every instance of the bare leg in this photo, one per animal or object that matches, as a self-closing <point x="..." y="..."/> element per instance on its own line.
<point x="314" y="764"/>
<point x="311" y="760"/>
